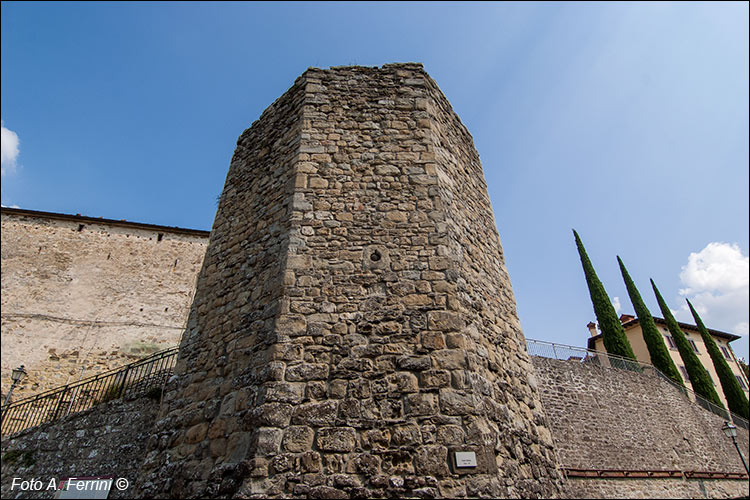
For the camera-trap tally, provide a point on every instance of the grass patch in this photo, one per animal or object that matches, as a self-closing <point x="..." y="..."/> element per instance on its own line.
<point x="141" y="348"/>
<point x="22" y="458"/>
<point x="111" y="393"/>
<point x="154" y="393"/>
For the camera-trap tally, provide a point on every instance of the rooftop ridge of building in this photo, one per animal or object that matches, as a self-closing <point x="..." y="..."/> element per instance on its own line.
<point x="662" y="321"/>
<point x="101" y="220"/>
<point x="731" y="337"/>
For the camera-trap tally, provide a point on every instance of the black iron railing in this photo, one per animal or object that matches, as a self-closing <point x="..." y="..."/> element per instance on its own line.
<point x="132" y="380"/>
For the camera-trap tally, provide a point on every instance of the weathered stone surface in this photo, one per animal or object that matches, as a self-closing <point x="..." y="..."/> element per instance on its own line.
<point x="631" y="406"/>
<point x="268" y="440"/>
<point x="80" y="293"/>
<point x="449" y="359"/>
<point x="444" y="321"/>
<point x="108" y="439"/>
<point x="432" y="461"/>
<point x="655" y="488"/>
<point x="307" y="371"/>
<point x="111" y="439"/>
<point x="196" y="433"/>
<point x="435" y="378"/>
<point x="354" y="284"/>
<point x="336" y="439"/>
<point x="421" y="404"/>
<point x="273" y="414"/>
<point x="316" y="413"/>
<point x="456" y="403"/>
<point x="298" y="438"/>
<point x="450" y="435"/>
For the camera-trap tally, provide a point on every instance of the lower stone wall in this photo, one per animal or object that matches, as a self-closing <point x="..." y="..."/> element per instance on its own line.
<point x="600" y="418"/>
<point x="655" y="488"/>
<point x="604" y="418"/>
<point x="107" y="440"/>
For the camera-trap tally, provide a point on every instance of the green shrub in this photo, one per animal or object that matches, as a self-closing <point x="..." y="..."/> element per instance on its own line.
<point x="140" y="348"/>
<point x="12" y="456"/>
<point x="111" y="393"/>
<point x="23" y="458"/>
<point x="154" y="393"/>
<point x="27" y="460"/>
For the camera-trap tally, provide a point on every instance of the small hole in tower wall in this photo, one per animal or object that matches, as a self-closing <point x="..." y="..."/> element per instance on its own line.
<point x="80" y="227"/>
<point x="160" y="236"/>
<point x="375" y="256"/>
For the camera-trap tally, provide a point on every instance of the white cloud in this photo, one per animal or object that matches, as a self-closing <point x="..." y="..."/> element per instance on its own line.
<point x="716" y="282"/>
<point x="9" y="141"/>
<point x="616" y="304"/>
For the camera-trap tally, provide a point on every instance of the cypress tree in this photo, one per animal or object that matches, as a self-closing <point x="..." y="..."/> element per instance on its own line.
<point x="657" y="350"/>
<point x="698" y="375"/>
<point x="613" y="334"/>
<point x="736" y="399"/>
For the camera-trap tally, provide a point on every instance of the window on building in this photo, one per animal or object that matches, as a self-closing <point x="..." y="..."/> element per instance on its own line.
<point x="695" y="347"/>
<point x="685" y="374"/>
<point x="742" y="382"/>
<point x="726" y="352"/>
<point x="670" y="341"/>
<point x="709" y="376"/>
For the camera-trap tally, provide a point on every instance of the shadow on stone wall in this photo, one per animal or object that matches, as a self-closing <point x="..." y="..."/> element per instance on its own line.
<point x="106" y="440"/>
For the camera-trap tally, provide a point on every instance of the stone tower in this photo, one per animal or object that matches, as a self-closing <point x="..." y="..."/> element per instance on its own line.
<point x="354" y="325"/>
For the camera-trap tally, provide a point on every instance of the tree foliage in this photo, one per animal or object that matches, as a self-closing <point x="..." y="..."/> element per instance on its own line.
<point x="745" y="368"/>
<point x="613" y="334"/>
<point x="697" y="373"/>
<point x="736" y="399"/>
<point x="657" y="349"/>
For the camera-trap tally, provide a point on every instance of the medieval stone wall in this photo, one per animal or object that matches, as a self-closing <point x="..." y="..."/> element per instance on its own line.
<point x="606" y="418"/>
<point x="107" y="440"/>
<point x="110" y="439"/>
<point x="345" y="340"/>
<point x="206" y="431"/>
<point x="498" y="373"/>
<point x="655" y="488"/>
<point x="81" y="296"/>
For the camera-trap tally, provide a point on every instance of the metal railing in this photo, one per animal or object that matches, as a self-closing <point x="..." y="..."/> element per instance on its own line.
<point x="137" y="378"/>
<point x="131" y="381"/>
<point x="605" y="360"/>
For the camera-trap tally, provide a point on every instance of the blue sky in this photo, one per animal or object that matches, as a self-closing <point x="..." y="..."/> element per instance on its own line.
<point x="625" y="121"/>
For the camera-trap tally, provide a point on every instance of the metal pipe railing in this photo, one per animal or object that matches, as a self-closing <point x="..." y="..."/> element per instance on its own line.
<point x="589" y="356"/>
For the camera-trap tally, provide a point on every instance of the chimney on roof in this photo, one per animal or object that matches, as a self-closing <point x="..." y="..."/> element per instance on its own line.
<point x="592" y="329"/>
<point x="624" y="318"/>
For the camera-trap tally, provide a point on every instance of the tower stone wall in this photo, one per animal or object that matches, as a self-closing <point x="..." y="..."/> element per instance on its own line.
<point x="354" y="325"/>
